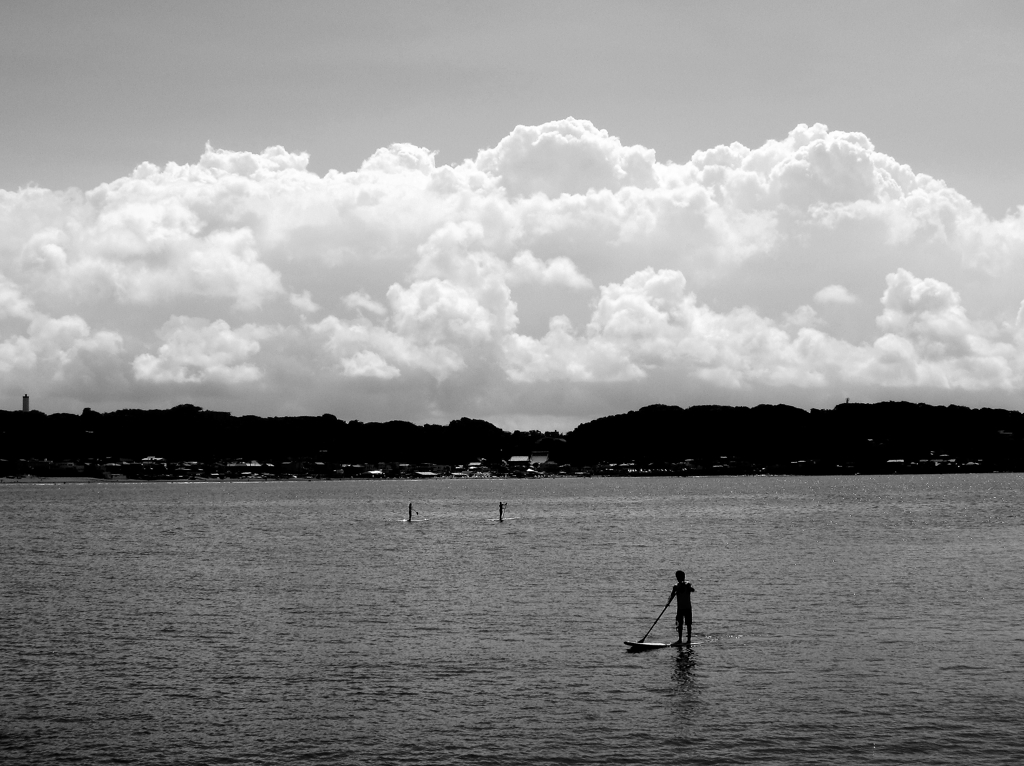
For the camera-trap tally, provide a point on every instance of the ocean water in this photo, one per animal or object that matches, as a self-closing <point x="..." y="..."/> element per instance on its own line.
<point x="837" y="620"/>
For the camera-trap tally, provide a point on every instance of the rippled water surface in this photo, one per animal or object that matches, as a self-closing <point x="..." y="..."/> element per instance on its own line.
<point x="853" y="619"/>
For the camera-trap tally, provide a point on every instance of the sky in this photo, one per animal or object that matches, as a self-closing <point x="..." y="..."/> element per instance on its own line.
<point x="534" y="214"/>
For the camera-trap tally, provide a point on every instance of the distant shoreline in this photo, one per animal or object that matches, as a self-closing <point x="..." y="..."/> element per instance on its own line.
<point x="44" y="480"/>
<point x="189" y="443"/>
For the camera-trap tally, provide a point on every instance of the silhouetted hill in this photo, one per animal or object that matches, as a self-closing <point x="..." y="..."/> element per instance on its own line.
<point x="861" y="436"/>
<point x="187" y="432"/>
<point x="884" y="437"/>
<point x="671" y="434"/>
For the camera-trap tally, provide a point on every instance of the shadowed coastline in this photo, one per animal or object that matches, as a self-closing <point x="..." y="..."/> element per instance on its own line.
<point x="189" y="442"/>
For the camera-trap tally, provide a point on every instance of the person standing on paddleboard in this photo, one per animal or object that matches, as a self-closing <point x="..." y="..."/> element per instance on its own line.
<point x="681" y="593"/>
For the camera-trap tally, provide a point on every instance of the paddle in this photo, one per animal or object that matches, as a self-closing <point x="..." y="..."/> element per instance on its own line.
<point x="653" y="624"/>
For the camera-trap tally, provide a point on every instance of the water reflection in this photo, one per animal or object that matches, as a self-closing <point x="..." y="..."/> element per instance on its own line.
<point x="685" y="696"/>
<point x="684" y="672"/>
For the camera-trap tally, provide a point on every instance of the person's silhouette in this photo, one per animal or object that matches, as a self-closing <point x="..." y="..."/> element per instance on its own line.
<point x="684" y="612"/>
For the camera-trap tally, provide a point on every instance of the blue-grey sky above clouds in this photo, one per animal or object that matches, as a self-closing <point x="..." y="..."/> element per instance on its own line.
<point x="531" y="213"/>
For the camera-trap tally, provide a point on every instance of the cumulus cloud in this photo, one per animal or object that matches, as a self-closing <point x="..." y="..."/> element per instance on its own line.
<point x="196" y="351"/>
<point x="930" y="340"/>
<point x="304" y="302"/>
<point x="61" y="352"/>
<point x="526" y="267"/>
<point x="834" y="294"/>
<point x="566" y="157"/>
<point x="560" y="274"/>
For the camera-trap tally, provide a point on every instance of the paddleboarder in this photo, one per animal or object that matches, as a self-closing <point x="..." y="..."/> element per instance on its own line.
<point x="501" y="510"/>
<point x="684" y="614"/>
<point x="410" y="512"/>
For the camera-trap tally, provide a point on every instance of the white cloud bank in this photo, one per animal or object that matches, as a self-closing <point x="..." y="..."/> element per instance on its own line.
<point x="556" y="277"/>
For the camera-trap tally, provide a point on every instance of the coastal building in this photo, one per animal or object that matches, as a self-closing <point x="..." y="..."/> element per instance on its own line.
<point x="24" y="403"/>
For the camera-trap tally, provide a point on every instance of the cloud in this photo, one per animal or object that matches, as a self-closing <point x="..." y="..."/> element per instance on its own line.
<point x="60" y="353"/>
<point x="304" y="302"/>
<point x="198" y="351"/>
<point x="526" y="267"/>
<point x="930" y="340"/>
<point x="362" y="301"/>
<point x="836" y="294"/>
<point x="361" y="349"/>
<point x="12" y="302"/>
<point x="560" y="273"/>
<point x="565" y="157"/>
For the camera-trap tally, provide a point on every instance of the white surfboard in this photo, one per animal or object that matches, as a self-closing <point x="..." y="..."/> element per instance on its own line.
<point x="643" y="646"/>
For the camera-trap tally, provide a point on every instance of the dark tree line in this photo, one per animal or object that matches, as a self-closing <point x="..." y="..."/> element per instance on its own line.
<point x="855" y="436"/>
<point x="187" y="432"/>
<point x="864" y="437"/>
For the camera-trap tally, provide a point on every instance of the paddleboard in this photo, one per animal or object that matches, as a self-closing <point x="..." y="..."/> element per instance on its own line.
<point x="413" y="520"/>
<point x="507" y="518"/>
<point x="642" y="646"/>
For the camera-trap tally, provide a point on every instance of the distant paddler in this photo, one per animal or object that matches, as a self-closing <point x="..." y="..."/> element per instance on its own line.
<point x="410" y="512"/>
<point x="501" y="511"/>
